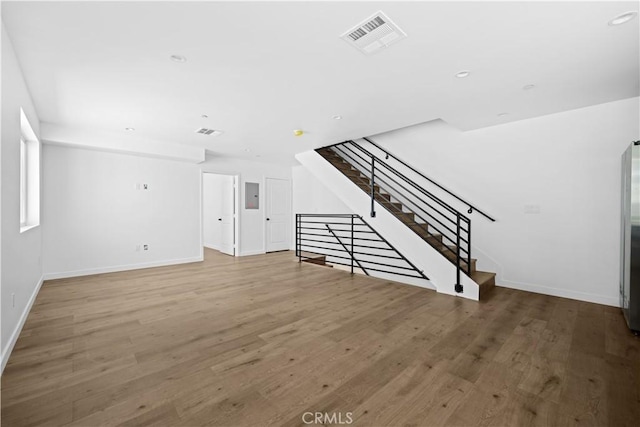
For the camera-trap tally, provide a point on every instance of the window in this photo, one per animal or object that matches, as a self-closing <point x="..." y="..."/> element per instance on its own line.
<point x="23" y="182"/>
<point x="29" y="176"/>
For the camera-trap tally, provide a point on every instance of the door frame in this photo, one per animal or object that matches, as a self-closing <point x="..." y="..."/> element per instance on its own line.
<point x="236" y="208"/>
<point x="289" y="210"/>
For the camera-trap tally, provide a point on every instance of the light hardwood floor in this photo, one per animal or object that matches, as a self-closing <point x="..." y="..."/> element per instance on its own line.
<point x="260" y="340"/>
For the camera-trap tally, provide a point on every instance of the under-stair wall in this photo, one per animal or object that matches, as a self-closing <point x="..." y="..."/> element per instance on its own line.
<point x="441" y="272"/>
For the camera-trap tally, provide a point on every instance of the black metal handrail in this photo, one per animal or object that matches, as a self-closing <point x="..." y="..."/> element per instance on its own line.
<point x="347" y="239"/>
<point x="396" y="158"/>
<point x="452" y="228"/>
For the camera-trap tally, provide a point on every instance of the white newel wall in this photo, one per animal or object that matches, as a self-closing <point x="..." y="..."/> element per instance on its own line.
<point x="97" y="220"/>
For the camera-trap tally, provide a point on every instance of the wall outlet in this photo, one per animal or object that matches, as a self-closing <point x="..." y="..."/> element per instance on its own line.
<point x="146" y="247"/>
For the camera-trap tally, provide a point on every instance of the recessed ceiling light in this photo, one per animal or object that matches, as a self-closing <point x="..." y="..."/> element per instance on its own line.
<point x="337" y="117"/>
<point x="528" y="87"/>
<point x="204" y="116"/>
<point x="298" y="132"/>
<point x="463" y="74"/>
<point x="503" y="114"/>
<point x="623" y="17"/>
<point x="178" y="58"/>
<point x="130" y="129"/>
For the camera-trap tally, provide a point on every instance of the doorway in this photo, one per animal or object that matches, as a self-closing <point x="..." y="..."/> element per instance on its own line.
<point x="219" y="212"/>
<point x="277" y="215"/>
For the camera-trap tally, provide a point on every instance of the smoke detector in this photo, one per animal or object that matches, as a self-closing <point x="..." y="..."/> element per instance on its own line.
<point x="373" y="34"/>
<point x="205" y="131"/>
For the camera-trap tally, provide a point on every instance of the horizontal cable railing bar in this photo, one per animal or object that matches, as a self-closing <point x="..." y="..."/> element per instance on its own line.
<point x="330" y="223"/>
<point x="430" y="221"/>
<point x="316" y="228"/>
<point x="348" y="245"/>
<point x="360" y="260"/>
<point x="415" y="276"/>
<point x="350" y="252"/>
<point x="348" y="258"/>
<point x="339" y="147"/>
<point x="429" y="179"/>
<point x="360" y="163"/>
<point x="311" y="215"/>
<point x="405" y="178"/>
<point x="356" y="238"/>
<point x="421" y="208"/>
<point x="355" y="246"/>
<point x="354" y="252"/>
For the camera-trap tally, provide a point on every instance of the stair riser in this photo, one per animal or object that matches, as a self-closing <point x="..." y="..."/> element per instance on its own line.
<point x="463" y="263"/>
<point x="367" y="188"/>
<point x="486" y="288"/>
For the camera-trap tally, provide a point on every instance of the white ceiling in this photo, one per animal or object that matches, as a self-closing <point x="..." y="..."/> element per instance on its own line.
<point x="259" y="70"/>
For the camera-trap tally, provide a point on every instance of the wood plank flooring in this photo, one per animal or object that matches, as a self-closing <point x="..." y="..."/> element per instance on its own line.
<point x="261" y="340"/>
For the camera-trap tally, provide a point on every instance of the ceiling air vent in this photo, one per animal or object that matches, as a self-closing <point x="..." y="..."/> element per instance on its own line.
<point x="373" y="34"/>
<point x="205" y="131"/>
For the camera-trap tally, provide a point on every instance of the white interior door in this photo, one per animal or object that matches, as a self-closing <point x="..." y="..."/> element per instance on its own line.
<point x="226" y="219"/>
<point x="278" y="214"/>
<point x="211" y="197"/>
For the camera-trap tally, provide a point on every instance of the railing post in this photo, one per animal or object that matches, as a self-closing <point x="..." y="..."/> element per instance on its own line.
<point x="469" y="247"/>
<point x="351" y="244"/>
<point x="458" y="287"/>
<point x="298" y="237"/>
<point x="373" y="173"/>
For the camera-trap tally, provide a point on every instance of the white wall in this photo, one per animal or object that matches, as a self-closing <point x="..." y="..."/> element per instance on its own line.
<point x="94" y="217"/>
<point x="252" y="221"/>
<point x="310" y="195"/>
<point x="568" y="164"/>
<point x="21" y="252"/>
<point x="211" y="209"/>
<point x="117" y="142"/>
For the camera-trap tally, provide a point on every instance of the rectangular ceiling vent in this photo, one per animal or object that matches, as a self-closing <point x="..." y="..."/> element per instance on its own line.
<point x="205" y="131"/>
<point x="373" y="34"/>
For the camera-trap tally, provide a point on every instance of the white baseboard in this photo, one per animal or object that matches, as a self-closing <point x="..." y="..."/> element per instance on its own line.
<point x="210" y="246"/>
<point x="16" y="332"/>
<point x="563" y="293"/>
<point x="117" y="268"/>
<point x="249" y="253"/>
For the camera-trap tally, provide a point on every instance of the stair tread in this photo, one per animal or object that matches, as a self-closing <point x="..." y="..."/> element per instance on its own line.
<point x="311" y="255"/>
<point x="482" y="277"/>
<point x="317" y="264"/>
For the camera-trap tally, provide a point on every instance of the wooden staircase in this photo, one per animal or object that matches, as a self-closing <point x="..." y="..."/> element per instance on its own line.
<point x="485" y="279"/>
